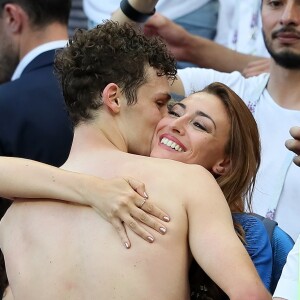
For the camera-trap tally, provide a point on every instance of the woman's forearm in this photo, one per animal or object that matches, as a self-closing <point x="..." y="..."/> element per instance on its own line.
<point x="119" y="200"/>
<point x="29" y="179"/>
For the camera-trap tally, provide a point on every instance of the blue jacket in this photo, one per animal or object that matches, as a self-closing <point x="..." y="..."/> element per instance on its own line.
<point x="33" y="121"/>
<point x="259" y="248"/>
<point x="258" y="245"/>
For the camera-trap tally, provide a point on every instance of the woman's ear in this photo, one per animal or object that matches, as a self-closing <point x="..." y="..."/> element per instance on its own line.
<point x="110" y="97"/>
<point x="222" y="167"/>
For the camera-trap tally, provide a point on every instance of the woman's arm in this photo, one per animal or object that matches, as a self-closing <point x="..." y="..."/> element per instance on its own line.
<point x="117" y="200"/>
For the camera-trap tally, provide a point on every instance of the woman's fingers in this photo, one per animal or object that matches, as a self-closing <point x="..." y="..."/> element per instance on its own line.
<point x="136" y="227"/>
<point x="138" y="186"/>
<point x="146" y="219"/>
<point x="120" y="228"/>
<point x="146" y="206"/>
<point x="153" y="210"/>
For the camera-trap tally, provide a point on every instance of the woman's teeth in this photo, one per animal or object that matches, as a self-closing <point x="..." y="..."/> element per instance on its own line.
<point x="171" y="144"/>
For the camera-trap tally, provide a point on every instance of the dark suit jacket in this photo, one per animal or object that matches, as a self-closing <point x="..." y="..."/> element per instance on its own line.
<point x="33" y="121"/>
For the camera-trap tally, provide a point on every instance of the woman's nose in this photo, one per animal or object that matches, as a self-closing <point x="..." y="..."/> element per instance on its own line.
<point x="178" y="126"/>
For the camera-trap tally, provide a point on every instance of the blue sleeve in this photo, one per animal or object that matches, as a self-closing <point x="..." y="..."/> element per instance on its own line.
<point x="258" y="245"/>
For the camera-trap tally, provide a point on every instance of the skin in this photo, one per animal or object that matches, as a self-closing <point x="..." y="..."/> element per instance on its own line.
<point x="8" y="53"/>
<point x="277" y="16"/>
<point x="100" y="141"/>
<point x="201" y="51"/>
<point x="18" y="37"/>
<point x="142" y="134"/>
<point x="198" y="122"/>
<point x="29" y="179"/>
<point x="294" y="144"/>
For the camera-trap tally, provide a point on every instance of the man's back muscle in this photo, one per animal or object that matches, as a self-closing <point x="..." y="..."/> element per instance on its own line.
<point x="81" y="254"/>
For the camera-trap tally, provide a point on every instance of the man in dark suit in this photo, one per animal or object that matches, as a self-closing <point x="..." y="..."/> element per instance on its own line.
<point x="33" y="120"/>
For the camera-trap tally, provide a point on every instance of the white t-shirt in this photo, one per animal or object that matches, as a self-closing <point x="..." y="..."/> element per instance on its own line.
<point x="239" y="27"/>
<point x="98" y="11"/>
<point x="274" y="123"/>
<point x="287" y="287"/>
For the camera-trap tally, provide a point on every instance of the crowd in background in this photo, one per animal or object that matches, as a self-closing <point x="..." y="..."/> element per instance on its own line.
<point x="251" y="47"/>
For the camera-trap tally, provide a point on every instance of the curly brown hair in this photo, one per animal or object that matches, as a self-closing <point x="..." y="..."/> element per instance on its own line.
<point x="108" y="53"/>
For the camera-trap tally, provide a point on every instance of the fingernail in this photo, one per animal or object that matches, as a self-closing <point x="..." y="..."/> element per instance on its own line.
<point x="162" y="230"/>
<point x="126" y="245"/>
<point x="166" y="218"/>
<point x="150" y="239"/>
<point x="145" y="195"/>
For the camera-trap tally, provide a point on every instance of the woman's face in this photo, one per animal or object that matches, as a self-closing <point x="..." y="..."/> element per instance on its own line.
<point x="195" y="131"/>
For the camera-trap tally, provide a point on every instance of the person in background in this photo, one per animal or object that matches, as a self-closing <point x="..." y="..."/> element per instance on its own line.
<point x="288" y="284"/>
<point x="77" y="17"/>
<point x="198" y="17"/>
<point x="33" y="120"/>
<point x="219" y="55"/>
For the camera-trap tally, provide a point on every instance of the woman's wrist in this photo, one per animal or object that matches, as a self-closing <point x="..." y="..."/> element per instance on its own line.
<point x="86" y="185"/>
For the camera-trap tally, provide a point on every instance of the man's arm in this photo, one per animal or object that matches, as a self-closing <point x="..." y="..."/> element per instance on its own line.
<point x="117" y="200"/>
<point x="198" y="50"/>
<point x="142" y="6"/>
<point x="185" y="46"/>
<point x="214" y="243"/>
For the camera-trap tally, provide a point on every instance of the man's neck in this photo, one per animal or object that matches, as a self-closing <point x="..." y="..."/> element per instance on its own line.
<point x="95" y="146"/>
<point x="283" y="86"/>
<point x="33" y="38"/>
<point x="90" y="137"/>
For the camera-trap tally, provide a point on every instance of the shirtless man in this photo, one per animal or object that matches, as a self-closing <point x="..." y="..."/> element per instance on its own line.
<point x="65" y="251"/>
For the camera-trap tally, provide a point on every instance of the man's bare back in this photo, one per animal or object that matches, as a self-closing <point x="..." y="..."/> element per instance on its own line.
<point x="64" y="251"/>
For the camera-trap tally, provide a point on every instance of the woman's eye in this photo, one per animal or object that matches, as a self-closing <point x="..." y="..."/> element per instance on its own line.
<point x="198" y="125"/>
<point x="173" y="113"/>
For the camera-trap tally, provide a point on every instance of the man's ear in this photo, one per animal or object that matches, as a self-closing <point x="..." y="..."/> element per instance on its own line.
<point x="222" y="167"/>
<point x="14" y="17"/>
<point x="111" y="97"/>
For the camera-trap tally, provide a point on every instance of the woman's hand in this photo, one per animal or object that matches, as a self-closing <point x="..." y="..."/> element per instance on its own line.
<point x="123" y="201"/>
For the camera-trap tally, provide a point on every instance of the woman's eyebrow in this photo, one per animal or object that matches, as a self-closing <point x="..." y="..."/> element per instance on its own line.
<point x="203" y="114"/>
<point x="197" y="113"/>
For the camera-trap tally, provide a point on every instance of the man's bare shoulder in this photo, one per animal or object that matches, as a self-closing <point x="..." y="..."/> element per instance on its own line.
<point x="176" y="168"/>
